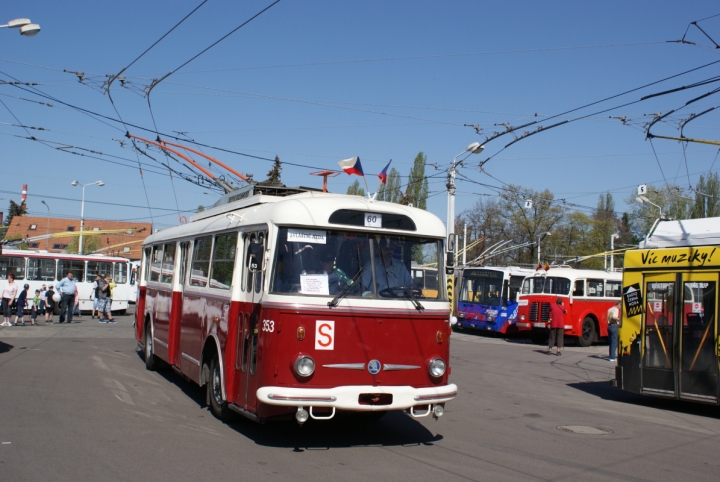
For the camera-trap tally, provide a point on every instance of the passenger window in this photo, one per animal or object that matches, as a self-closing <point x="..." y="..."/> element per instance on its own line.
<point x="612" y="289"/>
<point x="579" y="288"/>
<point x="76" y="267"/>
<point x="595" y="287"/>
<point x="223" y="261"/>
<point x="15" y="266"/>
<point x="156" y="263"/>
<point x="260" y="276"/>
<point x="184" y="248"/>
<point x="168" y="264"/>
<point x="201" y="261"/>
<point x="146" y="263"/>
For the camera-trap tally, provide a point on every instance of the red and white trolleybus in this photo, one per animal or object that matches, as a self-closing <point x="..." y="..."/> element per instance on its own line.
<point x="587" y="294"/>
<point x="299" y="303"/>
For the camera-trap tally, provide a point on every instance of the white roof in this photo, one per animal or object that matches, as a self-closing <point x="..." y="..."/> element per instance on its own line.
<point x="572" y="273"/>
<point x="304" y="209"/>
<point x="685" y="232"/>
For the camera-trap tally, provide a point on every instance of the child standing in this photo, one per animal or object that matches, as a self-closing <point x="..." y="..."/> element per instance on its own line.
<point x="21" y="302"/>
<point x="49" y="305"/>
<point x="35" y="308"/>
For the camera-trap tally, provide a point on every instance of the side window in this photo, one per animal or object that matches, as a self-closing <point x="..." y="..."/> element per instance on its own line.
<point x="168" y="264"/>
<point x="146" y="263"/>
<point x="201" y="261"/>
<point x="579" y="288"/>
<point x="223" y="261"/>
<point x="515" y="284"/>
<point x="595" y="287"/>
<point x="261" y="275"/>
<point x="184" y="249"/>
<point x="156" y="263"/>
<point x="612" y="289"/>
<point x="247" y="275"/>
<point x="15" y="266"/>
<point x="76" y="267"/>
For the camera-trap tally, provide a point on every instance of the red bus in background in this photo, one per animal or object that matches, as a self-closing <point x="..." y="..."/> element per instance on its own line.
<point x="299" y="305"/>
<point x="587" y="294"/>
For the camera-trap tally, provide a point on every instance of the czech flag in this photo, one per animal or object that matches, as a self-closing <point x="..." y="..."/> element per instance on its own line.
<point x="383" y="173"/>
<point x="352" y="166"/>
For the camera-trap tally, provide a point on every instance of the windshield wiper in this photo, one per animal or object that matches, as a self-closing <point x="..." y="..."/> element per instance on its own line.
<point x="346" y="289"/>
<point x="413" y="300"/>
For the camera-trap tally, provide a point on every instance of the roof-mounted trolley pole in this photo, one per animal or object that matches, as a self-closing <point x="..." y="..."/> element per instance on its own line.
<point x="227" y="186"/>
<point x="211" y="159"/>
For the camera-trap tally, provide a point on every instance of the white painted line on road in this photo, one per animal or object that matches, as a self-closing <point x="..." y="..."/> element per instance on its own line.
<point x="6" y="443"/>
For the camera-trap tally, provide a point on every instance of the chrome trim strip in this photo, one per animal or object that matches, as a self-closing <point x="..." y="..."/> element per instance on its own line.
<point x="273" y="396"/>
<point x="692" y="396"/>
<point x="438" y="396"/>
<point x="391" y="366"/>
<point x="655" y="391"/>
<point x="188" y="357"/>
<point x="160" y="341"/>
<point x="346" y="366"/>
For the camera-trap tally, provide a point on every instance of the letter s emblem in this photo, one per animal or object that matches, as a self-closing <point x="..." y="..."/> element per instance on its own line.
<point x="325" y="335"/>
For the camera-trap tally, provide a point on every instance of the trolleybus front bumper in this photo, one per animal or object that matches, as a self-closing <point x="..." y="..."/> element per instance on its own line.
<point x="355" y="397"/>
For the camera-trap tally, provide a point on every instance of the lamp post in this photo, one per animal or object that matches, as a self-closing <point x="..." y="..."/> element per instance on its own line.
<point x="643" y="199"/>
<point x="82" y="210"/>
<point x="47" y="230"/>
<point x="24" y="25"/>
<point x="538" y="243"/>
<point x="474" y="148"/>
<point x="612" y="248"/>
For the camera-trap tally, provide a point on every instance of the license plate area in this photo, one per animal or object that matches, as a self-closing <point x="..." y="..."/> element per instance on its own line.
<point x="375" y="399"/>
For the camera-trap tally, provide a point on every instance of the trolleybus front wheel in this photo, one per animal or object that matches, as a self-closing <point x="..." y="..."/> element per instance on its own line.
<point x="218" y="405"/>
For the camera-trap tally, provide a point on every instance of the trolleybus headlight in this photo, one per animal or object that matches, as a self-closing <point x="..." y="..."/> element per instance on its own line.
<point x="304" y="366"/>
<point x="436" y="367"/>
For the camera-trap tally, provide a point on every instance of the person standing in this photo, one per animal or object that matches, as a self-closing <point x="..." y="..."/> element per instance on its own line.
<point x="66" y="288"/>
<point x="49" y="305"/>
<point x="20" y="308"/>
<point x="104" y="302"/>
<point x="35" y="308"/>
<point x="8" y="296"/>
<point x="94" y="296"/>
<point x="41" y="308"/>
<point x="557" y="326"/>
<point x="613" y="319"/>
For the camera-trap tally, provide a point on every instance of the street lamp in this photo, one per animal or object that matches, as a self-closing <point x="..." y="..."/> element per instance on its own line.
<point x="24" y="25"/>
<point x="643" y="199"/>
<point x="47" y="231"/>
<point x="474" y="148"/>
<point x="82" y="210"/>
<point x="538" y="243"/>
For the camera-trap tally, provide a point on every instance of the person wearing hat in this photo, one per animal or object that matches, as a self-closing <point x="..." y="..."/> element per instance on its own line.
<point x="613" y="319"/>
<point x="20" y="309"/>
<point x="557" y="327"/>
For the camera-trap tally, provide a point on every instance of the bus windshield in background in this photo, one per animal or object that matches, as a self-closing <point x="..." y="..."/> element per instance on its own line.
<point x="482" y="286"/>
<point x="324" y="262"/>
<point x="546" y="285"/>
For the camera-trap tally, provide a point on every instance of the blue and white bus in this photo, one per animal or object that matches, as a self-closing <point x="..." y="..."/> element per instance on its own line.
<point x="487" y="298"/>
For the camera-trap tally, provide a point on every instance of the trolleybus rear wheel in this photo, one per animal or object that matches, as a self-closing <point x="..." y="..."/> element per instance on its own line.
<point x="151" y="361"/>
<point x="218" y="405"/>
<point x="587" y="332"/>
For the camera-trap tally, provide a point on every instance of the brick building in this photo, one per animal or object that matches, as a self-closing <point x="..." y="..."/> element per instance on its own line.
<point x="126" y="243"/>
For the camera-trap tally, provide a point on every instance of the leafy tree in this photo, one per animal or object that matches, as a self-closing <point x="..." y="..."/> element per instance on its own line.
<point x="355" y="189"/>
<point x="669" y="199"/>
<point x="274" y="173"/>
<point x="391" y="192"/>
<point x="416" y="192"/>
<point x="200" y="209"/>
<point x="15" y="209"/>
<point x="90" y="244"/>
<point x="707" y="197"/>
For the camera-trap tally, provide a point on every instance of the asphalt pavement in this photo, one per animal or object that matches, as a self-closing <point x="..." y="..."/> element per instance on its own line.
<point x="79" y="405"/>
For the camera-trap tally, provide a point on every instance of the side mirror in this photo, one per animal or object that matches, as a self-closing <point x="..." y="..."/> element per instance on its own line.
<point x="255" y="257"/>
<point x="450" y="263"/>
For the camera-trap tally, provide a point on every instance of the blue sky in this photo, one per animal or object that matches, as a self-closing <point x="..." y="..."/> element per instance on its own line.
<point x="317" y="81"/>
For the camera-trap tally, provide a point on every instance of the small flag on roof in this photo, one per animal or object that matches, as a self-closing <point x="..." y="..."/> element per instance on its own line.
<point x="352" y="166"/>
<point x="383" y="174"/>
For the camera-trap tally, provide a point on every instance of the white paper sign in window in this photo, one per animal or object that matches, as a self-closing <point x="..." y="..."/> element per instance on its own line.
<point x="373" y="220"/>
<point x="314" y="284"/>
<point x="306" y="236"/>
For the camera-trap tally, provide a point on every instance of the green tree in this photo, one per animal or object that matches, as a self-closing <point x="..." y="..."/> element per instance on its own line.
<point x="669" y="199"/>
<point x="416" y="191"/>
<point x="355" y="189"/>
<point x="15" y="209"/>
<point x="391" y="192"/>
<point x="707" y="197"/>
<point x="90" y="244"/>
<point x="274" y="173"/>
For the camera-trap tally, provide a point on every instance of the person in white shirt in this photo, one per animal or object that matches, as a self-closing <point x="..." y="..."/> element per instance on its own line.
<point x="613" y="319"/>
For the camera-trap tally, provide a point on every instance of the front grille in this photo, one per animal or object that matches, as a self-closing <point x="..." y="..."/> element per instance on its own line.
<point x="544" y="311"/>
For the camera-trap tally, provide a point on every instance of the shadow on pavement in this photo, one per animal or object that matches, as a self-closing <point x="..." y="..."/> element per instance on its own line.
<point x="344" y="430"/>
<point x="4" y="347"/>
<point x="606" y="391"/>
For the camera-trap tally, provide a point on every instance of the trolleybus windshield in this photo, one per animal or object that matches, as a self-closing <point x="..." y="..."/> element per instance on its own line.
<point x="321" y="262"/>
<point x="482" y="286"/>
<point x="546" y="285"/>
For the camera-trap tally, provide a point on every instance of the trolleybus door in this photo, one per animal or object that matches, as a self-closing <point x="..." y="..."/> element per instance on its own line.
<point x="658" y="361"/>
<point x="698" y="356"/>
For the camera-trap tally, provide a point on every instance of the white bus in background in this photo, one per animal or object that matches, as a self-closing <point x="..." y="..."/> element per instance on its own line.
<point x="37" y="268"/>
